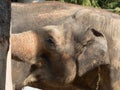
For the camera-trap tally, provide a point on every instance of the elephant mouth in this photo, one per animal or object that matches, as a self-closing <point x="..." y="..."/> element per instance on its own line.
<point x="43" y="86"/>
<point x="37" y="84"/>
<point x="46" y="80"/>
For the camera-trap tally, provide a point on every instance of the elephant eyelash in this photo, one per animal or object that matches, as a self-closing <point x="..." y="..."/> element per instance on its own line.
<point x="51" y="42"/>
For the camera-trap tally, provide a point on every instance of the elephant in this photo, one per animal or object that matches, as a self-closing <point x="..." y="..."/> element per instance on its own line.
<point x="77" y="51"/>
<point x="44" y="13"/>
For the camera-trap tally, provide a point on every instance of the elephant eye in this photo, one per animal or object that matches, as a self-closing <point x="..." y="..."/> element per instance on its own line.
<point x="50" y="42"/>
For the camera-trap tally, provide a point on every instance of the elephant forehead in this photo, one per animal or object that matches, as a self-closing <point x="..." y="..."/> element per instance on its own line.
<point x="60" y="35"/>
<point x="63" y="38"/>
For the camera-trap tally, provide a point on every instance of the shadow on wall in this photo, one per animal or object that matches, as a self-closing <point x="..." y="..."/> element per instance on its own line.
<point x="27" y="1"/>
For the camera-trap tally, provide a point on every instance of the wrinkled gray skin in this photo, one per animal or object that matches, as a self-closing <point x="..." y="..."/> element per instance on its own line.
<point x="79" y="49"/>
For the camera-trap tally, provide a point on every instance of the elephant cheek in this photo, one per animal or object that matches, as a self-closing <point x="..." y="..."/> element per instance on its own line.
<point x="68" y="73"/>
<point x="71" y="72"/>
<point x="69" y="69"/>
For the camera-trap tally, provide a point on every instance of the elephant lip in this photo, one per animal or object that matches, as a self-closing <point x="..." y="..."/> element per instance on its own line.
<point x="39" y="85"/>
<point x="42" y="86"/>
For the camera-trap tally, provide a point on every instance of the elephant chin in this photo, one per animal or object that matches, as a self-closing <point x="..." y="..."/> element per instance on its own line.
<point x="59" y="74"/>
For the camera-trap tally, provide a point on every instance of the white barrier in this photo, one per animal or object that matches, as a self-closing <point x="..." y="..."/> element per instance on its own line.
<point x="30" y="88"/>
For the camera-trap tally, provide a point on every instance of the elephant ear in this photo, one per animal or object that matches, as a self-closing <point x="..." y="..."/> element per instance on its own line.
<point x="93" y="51"/>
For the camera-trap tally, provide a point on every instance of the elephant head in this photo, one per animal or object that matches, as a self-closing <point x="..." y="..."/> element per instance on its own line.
<point x="57" y="55"/>
<point x="50" y="51"/>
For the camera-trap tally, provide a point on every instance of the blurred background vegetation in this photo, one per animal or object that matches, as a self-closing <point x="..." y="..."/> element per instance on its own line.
<point x="111" y="5"/>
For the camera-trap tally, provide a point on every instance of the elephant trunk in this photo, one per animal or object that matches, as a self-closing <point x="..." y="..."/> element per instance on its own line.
<point x="25" y="46"/>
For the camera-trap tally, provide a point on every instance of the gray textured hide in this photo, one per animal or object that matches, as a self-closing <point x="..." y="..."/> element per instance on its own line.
<point x="86" y="41"/>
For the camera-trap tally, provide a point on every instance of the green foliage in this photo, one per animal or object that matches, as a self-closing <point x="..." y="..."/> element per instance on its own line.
<point x="93" y="3"/>
<point x="112" y="5"/>
<point x="86" y="3"/>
